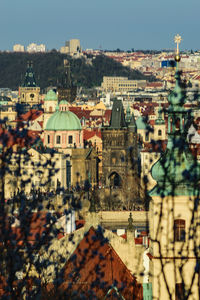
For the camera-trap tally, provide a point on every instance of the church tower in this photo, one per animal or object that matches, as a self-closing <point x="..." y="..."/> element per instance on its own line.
<point x="174" y="210"/>
<point x="66" y="90"/>
<point x="29" y="91"/>
<point x="120" y="156"/>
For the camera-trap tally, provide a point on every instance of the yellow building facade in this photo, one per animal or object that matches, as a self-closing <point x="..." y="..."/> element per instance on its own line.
<point x="121" y="84"/>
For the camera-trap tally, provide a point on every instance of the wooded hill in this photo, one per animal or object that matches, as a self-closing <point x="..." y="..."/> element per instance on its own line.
<point x="49" y="68"/>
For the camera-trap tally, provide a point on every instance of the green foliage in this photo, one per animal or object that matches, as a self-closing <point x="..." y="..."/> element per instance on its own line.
<point x="49" y="68"/>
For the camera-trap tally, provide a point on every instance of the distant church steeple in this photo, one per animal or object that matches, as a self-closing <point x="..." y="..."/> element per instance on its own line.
<point x="66" y="90"/>
<point x="29" y="80"/>
<point x="29" y="91"/>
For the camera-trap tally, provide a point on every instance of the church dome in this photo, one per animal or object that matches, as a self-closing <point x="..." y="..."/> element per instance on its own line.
<point x="51" y="96"/>
<point x="63" y="120"/>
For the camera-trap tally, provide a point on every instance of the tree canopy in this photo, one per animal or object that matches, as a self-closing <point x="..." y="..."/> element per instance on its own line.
<point x="49" y="67"/>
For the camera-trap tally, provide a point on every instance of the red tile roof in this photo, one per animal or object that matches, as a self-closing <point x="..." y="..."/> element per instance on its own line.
<point x="34" y="228"/>
<point x="88" y="134"/>
<point x="155" y="146"/>
<point x="95" y="267"/>
<point x="20" y="137"/>
<point x="31" y="115"/>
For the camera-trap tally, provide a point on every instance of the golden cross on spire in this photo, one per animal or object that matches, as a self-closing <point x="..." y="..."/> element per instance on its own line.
<point x="177" y="40"/>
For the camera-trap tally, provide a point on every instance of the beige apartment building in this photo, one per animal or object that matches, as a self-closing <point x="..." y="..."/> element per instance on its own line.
<point x="121" y="84"/>
<point x="18" y="48"/>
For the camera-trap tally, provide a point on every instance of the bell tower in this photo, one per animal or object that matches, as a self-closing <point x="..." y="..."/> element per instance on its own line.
<point x="66" y="90"/>
<point x="174" y="208"/>
<point x="29" y="91"/>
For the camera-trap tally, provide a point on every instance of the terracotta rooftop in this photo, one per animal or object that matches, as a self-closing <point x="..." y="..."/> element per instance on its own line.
<point x="31" y="115"/>
<point x="88" y="134"/>
<point x="95" y="268"/>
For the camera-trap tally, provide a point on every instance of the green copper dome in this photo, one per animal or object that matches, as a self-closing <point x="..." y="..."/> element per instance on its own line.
<point x="63" y="120"/>
<point x="140" y="123"/>
<point x="51" y="96"/>
<point x="64" y="102"/>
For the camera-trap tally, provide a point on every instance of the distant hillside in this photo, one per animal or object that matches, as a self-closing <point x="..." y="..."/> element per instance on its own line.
<point x="48" y="69"/>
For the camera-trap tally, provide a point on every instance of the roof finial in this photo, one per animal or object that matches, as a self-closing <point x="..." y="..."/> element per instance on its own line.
<point x="177" y="40"/>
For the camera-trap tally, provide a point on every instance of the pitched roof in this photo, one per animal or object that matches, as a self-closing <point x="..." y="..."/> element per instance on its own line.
<point x="31" y="115"/>
<point x="88" y="134"/>
<point x="30" y="229"/>
<point x="117" y="120"/>
<point x="18" y="137"/>
<point x="94" y="268"/>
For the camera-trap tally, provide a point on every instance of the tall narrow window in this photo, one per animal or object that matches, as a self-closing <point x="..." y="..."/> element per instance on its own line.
<point x="159" y="132"/>
<point x="179" y="291"/>
<point x="179" y="230"/>
<point x="70" y="139"/>
<point x="48" y="139"/>
<point x="58" y="139"/>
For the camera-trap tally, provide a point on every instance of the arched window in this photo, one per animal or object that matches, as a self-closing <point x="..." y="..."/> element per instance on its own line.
<point x="159" y="132"/>
<point x="177" y="122"/>
<point x="58" y="139"/>
<point x="179" y="230"/>
<point x="70" y="139"/>
<point x="171" y="124"/>
<point x="48" y="139"/>
<point x="115" y="180"/>
<point x="146" y="136"/>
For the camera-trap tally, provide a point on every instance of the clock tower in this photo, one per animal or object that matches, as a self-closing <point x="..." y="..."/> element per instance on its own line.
<point x="29" y="91"/>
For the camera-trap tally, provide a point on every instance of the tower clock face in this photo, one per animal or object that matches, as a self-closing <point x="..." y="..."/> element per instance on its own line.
<point x="32" y="96"/>
<point x="30" y="75"/>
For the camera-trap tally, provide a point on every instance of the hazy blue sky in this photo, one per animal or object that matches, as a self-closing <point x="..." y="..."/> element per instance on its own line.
<point x="111" y="24"/>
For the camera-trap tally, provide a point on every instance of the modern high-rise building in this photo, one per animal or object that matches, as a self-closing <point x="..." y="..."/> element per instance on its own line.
<point x="72" y="47"/>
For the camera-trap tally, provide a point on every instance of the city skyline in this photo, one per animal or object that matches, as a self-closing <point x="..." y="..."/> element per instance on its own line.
<point x="100" y="25"/>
